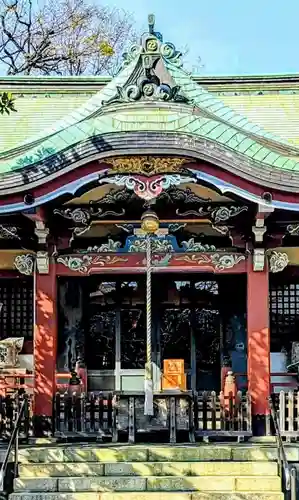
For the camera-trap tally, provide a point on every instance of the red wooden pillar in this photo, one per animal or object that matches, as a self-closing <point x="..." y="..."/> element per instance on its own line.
<point x="45" y="342"/>
<point x="258" y="364"/>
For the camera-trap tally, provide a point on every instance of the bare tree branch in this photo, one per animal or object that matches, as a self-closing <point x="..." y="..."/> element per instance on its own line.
<point x="63" y="37"/>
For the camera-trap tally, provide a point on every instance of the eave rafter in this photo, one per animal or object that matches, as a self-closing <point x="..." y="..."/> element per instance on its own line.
<point x="138" y="183"/>
<point x="196" y="148"/>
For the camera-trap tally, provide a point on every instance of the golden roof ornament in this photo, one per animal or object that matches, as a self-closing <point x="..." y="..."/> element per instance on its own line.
<point x="146" y="165"/>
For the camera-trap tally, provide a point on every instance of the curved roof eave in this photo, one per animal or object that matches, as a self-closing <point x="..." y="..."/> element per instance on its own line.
<point x="157" y="142"/>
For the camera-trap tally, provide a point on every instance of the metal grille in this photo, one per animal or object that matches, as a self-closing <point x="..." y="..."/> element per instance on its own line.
<point x="284" y="313"/>
<point x="16" y="309"/>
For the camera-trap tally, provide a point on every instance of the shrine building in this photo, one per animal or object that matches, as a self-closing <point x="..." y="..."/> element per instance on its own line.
<point x="150" y="221"/>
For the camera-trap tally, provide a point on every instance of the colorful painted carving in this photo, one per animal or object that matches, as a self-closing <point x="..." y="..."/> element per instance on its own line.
<point x="224" y="230"/>
<point x="117" y="196"/>
<point x="110" y="247"/>
<point x="93" y="263"/>
<point x="161" y="260"/>
<point x="293" y="229"/>
<point x="217" y="215"/>
<point x="8" y="232"/>
<point x="160" y="244"/>
<point x="146" y="165"/>
<point x="83" y="216"/>
<point x="24" y="263"/>
<point x="147" y="188"/>
<point x="176" y="226"/>
<point x="215" y="260"/>
<point x="86" y="263"/>
<point x="278" y="261"/>
<point x="186" y="196"/>
<point x="196" y="246"/>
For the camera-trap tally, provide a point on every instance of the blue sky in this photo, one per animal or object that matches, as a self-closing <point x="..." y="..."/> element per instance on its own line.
<point x="231" y="36"/>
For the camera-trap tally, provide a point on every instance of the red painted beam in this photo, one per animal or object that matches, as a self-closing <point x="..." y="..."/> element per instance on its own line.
<point x="135" y="262"/>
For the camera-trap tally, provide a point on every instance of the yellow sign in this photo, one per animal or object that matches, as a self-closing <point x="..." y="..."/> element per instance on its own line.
<point x="174" y="377"/>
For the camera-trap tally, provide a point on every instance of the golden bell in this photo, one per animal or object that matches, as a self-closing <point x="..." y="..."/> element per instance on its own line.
<point x="150" y="222"/>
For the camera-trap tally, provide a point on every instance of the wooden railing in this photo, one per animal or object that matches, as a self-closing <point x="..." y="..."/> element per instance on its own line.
<point x="226" y="416"/>
<point x="83" y="415"/>
<point x="19" y="381"/>
<point x="106" y="416"/>
<point x="109" y="416"/>
<point x="11" y="383"/>
<point x="286" y="405"/>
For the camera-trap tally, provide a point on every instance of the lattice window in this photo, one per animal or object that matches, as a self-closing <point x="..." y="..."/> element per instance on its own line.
<point x="284" y="314"/>
<point x="16" y="309"/>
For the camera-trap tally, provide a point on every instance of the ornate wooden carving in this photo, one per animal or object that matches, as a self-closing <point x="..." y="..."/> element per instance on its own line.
<point x="94" y="263"/>
<point x="146" y="165"/>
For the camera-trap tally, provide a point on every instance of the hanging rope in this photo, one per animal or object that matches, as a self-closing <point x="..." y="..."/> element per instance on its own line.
<point x="148" y="383"/>
<point x="148" y="301"/>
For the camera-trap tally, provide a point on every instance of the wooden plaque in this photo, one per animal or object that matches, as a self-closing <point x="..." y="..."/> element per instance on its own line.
<point x="174" y="375"/>
<point x="174" y="382"/>
<point x="173" y="367"/>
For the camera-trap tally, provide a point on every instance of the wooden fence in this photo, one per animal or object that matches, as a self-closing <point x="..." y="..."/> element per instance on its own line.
<point x="109" y="416"/>
<point x="89" y="415"/>
<point x="287" y="406"/>
<point x="220" y="416"/>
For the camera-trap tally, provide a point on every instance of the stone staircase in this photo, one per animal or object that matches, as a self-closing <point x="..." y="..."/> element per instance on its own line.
<point x="198" y="472"/>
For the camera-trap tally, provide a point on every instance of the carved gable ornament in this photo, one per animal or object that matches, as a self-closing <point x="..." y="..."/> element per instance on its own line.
<point x="148" y="176"/>
<point x="146" y="165"/>
<point x="278" y="261"/>
<point x="150" y="81"/>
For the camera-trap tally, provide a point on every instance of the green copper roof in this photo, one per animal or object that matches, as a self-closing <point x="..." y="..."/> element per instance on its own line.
<point x="152" y="93"/>
<point x="270" y="102"/>
<point x="164" y="120"/>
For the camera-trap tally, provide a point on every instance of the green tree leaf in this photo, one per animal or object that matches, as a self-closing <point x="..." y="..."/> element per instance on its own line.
<point x="7" y="103"/>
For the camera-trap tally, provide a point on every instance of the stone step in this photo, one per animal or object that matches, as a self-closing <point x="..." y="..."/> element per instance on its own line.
<point x="75" y="469"/>
<point x="114" y="454"/>
<point x="148" y="496"/>
<point x="151" y="483"/>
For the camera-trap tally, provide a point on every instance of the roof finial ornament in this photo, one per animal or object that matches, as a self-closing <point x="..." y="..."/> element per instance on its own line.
<point x="151" y="23"/>
<point x="151" y="27"/>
